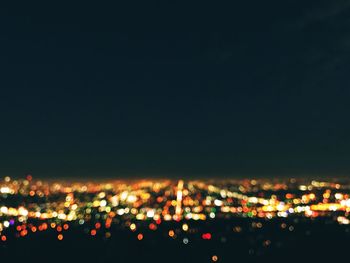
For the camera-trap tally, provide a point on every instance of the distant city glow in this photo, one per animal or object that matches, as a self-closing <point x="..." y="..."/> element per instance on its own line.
<point x="146" y="205"/>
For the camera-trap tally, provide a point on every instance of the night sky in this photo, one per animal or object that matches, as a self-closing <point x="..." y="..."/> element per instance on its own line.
<point x="258" y="88"/>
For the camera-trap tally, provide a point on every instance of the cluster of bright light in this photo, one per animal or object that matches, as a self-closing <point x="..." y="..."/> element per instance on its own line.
<point x="99" y="205"/>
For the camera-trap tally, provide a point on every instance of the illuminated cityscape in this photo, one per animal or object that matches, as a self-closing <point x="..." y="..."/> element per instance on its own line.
<point x="169" y="132"/>
<point x="183" y="211"/>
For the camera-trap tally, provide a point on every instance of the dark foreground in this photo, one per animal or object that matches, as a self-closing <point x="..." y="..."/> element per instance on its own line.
<point x="234" y="240"/>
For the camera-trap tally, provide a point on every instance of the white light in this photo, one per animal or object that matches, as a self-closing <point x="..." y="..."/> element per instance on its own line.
<point x="150" y="213"/>
<point x="5" y="190"/>
<point x="218" y="202"/>
<point x="4" y="210"/>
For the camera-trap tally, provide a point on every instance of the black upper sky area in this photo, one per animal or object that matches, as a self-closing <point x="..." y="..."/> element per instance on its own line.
<point x="249" y="89"/>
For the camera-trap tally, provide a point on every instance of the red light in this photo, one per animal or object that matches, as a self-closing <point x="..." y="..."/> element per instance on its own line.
<point x="206" y="236"/>
<point x="152" y="227"/>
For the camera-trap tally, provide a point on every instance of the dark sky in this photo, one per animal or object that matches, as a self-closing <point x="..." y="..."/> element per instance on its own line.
<point x="250" y="89"/>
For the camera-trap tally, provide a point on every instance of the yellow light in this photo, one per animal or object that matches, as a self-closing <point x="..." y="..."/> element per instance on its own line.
<point x="185" y="227"/>
<point x="171" y="233"/>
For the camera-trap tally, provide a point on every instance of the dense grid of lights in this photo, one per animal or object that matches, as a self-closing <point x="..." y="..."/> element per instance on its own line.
<point x="28" y="206"/>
